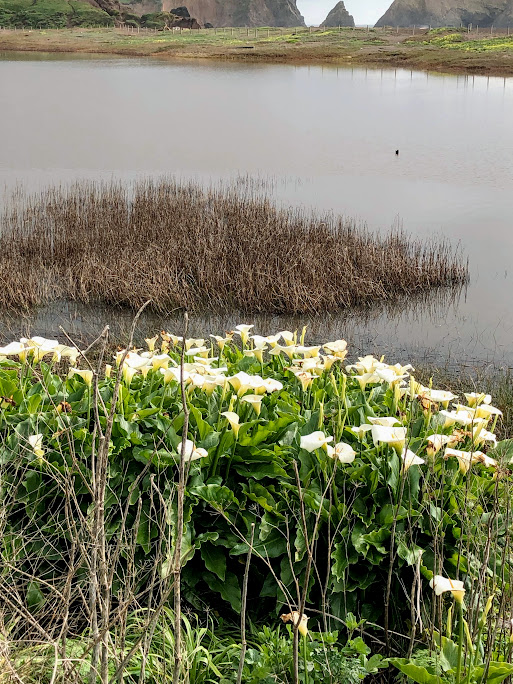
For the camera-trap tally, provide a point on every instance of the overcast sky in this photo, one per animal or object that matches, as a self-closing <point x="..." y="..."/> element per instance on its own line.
<point x="363" y="11"/>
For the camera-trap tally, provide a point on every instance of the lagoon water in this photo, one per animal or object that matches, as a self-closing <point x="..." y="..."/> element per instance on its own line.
<point x="320" y="137"/>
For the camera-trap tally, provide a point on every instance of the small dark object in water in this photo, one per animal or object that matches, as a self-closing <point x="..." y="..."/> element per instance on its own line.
<point x="397" y="153"/>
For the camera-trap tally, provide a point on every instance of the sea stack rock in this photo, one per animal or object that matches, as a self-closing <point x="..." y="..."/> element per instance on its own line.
<point x="437" y="13"/>
<point x="246" y="12"/>
<point x="338" y="16"/>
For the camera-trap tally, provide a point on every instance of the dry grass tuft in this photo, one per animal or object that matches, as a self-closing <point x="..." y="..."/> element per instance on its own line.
<point x="226" y="248"/>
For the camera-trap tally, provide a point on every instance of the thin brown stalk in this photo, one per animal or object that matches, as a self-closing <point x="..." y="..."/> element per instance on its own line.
<point x="244" y="644"/>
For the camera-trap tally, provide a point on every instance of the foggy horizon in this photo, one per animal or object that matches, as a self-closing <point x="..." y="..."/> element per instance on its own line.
<point x="363" y="11"/>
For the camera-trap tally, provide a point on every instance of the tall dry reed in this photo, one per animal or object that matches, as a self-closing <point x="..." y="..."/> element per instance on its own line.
<point x="183" y="246"/>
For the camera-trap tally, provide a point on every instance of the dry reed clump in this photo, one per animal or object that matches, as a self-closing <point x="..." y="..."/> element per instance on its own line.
<point x="183" y="246"/>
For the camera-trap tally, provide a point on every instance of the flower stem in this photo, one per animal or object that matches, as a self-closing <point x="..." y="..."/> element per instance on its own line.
<point x="305" y="660"/>
<point x="460" y="642"/>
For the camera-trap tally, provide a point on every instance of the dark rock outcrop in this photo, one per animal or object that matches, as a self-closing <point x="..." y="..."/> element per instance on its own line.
<point x="436" y="13"/>
<point x="244" y="12"/>
<point x="181" y="12"/>
<point x="338" y="16"/>
<point x="166" y="20"/>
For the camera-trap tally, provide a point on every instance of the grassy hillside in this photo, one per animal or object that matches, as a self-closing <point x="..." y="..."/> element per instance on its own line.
<point x="51" y="14"/>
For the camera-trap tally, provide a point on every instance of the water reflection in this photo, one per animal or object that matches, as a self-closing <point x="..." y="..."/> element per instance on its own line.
<point x="423" y="330"/>
<point x="329" y="132"/>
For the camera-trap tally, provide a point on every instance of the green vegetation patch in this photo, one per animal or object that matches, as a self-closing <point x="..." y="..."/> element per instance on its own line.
<point x="51" y="14"/>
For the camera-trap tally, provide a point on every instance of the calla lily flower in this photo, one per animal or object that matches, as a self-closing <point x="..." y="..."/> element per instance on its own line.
<point x="272" y="339"/>
<point x="343" y="452"/>
<point x="409" y="458"/>
<point x="329" y="360"/>
<point x="288" y="337"/>
<point x="360" y="430"/>
<point x="337" y="348"/>
<point x="193" y="342"/>
<point x="466" y="458"/>
<point x="487" y="461"/>
<point x="221" y="341"/>
<point x="463" y="417"/>
<point x="271" y="385"/>
<point x="160" y="361"/>
<point x="255" y="400"/>
<point x="308" y="352"/>
<point x="301" y="625"/>
<point x="436" y="442"/>
<point x="71" y="353"/>
<point x="389" y="375"/>
<point x="19" y="349"/>
<point x="401" y="370"/>
<point x="367" y="378"/>
<point x="243" y="330"/>
<point x="257" y="353"/>
<point x="136" y="361"/>
<point x="191" y="452"/>
<point x="366" y="364"/>
<point x="487" y="411"/>
<point x="476" y="398"/>
<point x="388" y="421"/>
<point x="307" y="365"/>
<point x="481" y="435"/>
<point x="197" y="351"/>
<point x="150" y="341"/>
<point x="394" y="436"/>
<point x="36" y="442"/>
<point x="175" y="374"/>
<point x="259" y="342"/>
<point x="240" y="382"/>
<point x="86" y="375"/>
<point x="48" y="347"/>
<point x="438" y="396"/>
<point x="108" y="370"/>
<point x="233" y="419"/>
<point x="128" y="373"/>
<point x="315" y="440"/>
<point x="305" y="379"/>
<point x="441" y="584"/>
<point x="288" y="350"/>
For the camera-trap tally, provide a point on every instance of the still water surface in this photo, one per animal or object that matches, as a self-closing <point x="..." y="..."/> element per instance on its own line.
<point x="326" y="136"/>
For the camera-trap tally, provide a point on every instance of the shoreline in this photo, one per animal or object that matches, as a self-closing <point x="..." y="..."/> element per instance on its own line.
<point x="449" y="51"/>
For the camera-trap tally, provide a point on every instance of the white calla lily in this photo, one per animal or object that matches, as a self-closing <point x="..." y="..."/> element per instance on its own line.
<point x="243" y="330"/>
<point x="255" y="400"/>
<point x="409" y="458"/>
<point x="441" y="584"/>
<point x="394" y="436"/>
<point x="191" y="452"/>
<point x="343" y="452"/>
<point x="388" y="421"/>
<point x="233" y="419"/>
<point x="315" y="440"/>
<point x="86" y="375"/>
<point x="476" y="398"/>
<point x="36" y="442"/>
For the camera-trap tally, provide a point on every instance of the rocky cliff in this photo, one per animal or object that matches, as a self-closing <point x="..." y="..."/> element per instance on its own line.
<point x="242" y="12"/>
<point x="338" y="16"/>
<point x="498" y="13"/>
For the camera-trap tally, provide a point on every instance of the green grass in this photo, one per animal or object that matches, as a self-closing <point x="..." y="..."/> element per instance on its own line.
<point x="51" y="14"/>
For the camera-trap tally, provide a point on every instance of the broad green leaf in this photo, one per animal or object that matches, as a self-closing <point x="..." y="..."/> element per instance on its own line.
<point x="215" y="559"/>
<point x="217" y="496"/>
<point x="228" y="588"/>
<point x="497" y="672"/>
<point x="503" y="451"/>
<point x="418" y="674"/>
<point x="35" y="598"/>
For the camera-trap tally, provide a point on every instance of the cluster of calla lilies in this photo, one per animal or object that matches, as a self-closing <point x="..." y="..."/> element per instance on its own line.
<point x="205" y="371"/>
